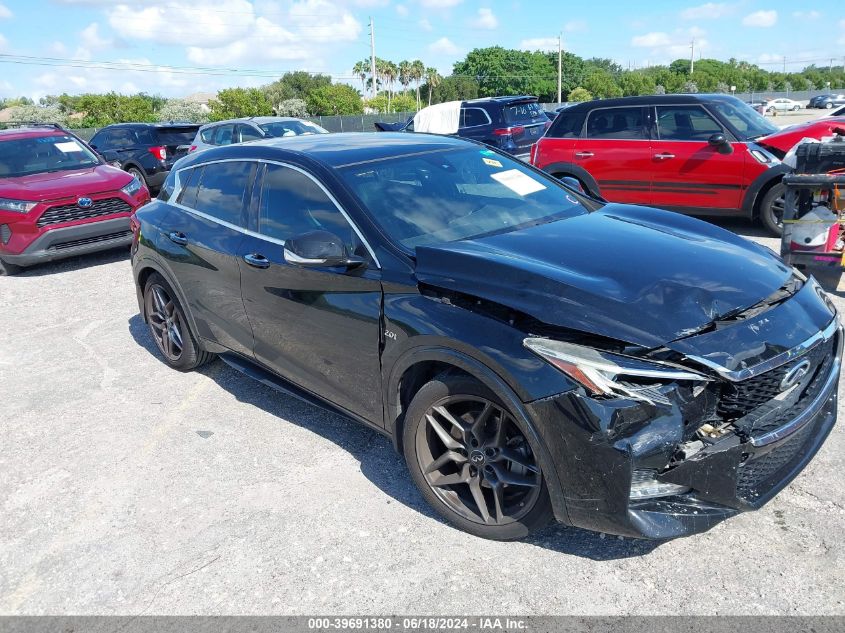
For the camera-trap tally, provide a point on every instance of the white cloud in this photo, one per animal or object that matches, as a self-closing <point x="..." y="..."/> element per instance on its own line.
<point x="402" y="10"/>
<point x="425" y="25"/>
<point x="444" y="46"/>
<point x="485" y="19"/>
<point x="439" y="4"/>
<point x="707" y="11"/>
<point x="654" y="39"/>
<point x="763" y="19"/>
<point x="371" y="3"/>
<point x="806" y="15"/>
<point x="539" y="44"/>
<point x="575" y="26"/>
<point x="277" y="44"/>
<point x="5" y="12"/>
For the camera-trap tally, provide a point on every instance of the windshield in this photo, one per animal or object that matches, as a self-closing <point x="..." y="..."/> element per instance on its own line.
<point x="524" y="112"/>
<point x="25" y="156"/>
<point x="448" y="195"/>
<point x="291" y="128"/>
<point x="746" y="121"/>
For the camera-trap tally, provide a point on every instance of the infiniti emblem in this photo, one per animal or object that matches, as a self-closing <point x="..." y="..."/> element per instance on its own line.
<point x="84" y="203"/>
<point x="794" y="375"/>
<point x="477" y="457"/>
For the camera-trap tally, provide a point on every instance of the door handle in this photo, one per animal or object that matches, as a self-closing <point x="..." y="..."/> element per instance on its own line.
<point x="257" y="261"/>
<point x="584" y="154"/>
<point x="664" y="156"/>
<point x="178" y="238"/>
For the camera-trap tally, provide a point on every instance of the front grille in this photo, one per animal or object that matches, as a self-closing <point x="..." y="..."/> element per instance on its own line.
<point x="73" y="212"/>
<point x="755" y="472"/>
<point x="61" y="246"/>
<point x="740" y="398"/>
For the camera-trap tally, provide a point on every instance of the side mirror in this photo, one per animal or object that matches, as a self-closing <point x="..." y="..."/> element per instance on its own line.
<point x="318" y="249"/>
<point x="573" y="183"/>
<point x="720" y="143"/>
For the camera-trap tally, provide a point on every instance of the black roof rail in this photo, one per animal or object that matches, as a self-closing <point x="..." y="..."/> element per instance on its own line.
<point x="12" y="125"/>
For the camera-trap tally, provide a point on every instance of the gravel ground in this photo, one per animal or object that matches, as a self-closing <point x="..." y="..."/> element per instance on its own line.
<point x="127" y="488"/>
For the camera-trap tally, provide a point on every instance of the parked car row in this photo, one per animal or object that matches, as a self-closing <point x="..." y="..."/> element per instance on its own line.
<point x="827" y="101"/>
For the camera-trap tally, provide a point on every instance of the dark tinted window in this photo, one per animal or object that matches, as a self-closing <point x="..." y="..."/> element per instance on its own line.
<point x="292" y="128"/>
<point x="224" y="135"/>
<point x="685" y="123"/>
<point x="190" y="179"/>
<point x="292" y="204"/>
<point x="222" y="190"/>
<point x="207" y="135"/>
<point x="473" y="116"/>
<point x="524" y="113"/>
<point x="248" y="133"/>
<point x="176" y="135"/>
<point x="122" y="138"/>
<point x="616" y="123"/>
<point x="567" y="125"/>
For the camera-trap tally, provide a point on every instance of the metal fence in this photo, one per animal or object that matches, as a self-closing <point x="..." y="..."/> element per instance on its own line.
<point x="358" y="122"/>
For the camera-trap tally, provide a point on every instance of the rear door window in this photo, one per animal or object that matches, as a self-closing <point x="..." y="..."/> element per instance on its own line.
<point x="224" y="135"/>
<point x="247" y="133"/>
<point x="685" y="123"/>
<point x="567" y="125"/>
<point x="617" y="123"/>
<point x="223" y="189"/>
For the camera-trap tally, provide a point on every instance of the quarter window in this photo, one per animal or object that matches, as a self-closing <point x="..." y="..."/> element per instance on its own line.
<point x="224" y="135"/>
<point x="222" y="190"/>
<point x="190" y="179"/>
<point x="685" y="123"/>
<point x="473" y="116"/>
<point x="248" y="133"/>
<point x="617" y="123"/>
<point x="292" y="204"/>
<point x="207" y="135"/>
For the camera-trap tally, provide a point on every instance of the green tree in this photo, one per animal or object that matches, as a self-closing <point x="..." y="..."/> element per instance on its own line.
<point x="578" y="95"/>
<point x="292" y="107"/>
<point x="600" y="83"/>
<point x="451" y="88"/>
<point x="501" y="71"/>
<point x="233" y="103"/>
<point x="334" y="99"/>
<point x="634" y="83"/>
<point x="38" y="114"/>
<point x="295" y="85"/>
<point x="181" y="110"/>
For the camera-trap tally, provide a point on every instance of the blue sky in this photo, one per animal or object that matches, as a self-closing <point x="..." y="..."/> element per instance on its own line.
<point x="176" y="47"/>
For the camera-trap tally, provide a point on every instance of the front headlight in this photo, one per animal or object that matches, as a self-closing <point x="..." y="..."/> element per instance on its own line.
<point x="603" y="373"/>
<point x="16" y="206"/>
<point x="133" y="187"/>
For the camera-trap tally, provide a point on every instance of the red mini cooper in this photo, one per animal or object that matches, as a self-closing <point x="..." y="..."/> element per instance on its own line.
<point x="697" y="154"/>
<point x="59" y="199"/>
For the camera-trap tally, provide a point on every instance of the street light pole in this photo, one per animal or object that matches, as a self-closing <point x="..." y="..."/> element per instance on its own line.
<point x="559" y="69"/>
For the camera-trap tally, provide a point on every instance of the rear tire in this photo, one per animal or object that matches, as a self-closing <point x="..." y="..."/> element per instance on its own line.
<point x="472" y="462"/>
<point x="796" y="108"/>
<point x="169" y="327"/>
<point x="7" y="269"/>
<point x="828" y="106"/>
<point x="771" y="209"/>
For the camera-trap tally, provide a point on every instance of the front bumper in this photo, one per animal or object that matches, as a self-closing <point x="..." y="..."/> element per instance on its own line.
<point x="73" y="240"/>
<point x="596" y="445"/>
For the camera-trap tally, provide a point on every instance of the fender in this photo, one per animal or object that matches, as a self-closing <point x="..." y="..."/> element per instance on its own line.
<point x="579" y="172"/>
<point x="495" y="383"/>
<point x="749" y="202"/>
<point x="146" y="262"/>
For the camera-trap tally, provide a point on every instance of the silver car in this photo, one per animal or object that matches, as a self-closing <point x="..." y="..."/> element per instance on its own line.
<point x="251" y="129"/>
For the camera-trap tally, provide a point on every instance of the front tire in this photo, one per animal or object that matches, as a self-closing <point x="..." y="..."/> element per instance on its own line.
<point x="139" y="175"/>
<point x="472" y="462"/>
<point x="796" y="108"/>
<point x="7" y="269"/>
<point x="169" y="327"/>
<point x="771" y="209"/>
<point x="828" y="106"/>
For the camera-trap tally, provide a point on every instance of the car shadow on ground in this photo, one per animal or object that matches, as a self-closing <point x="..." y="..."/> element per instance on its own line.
<point x="101" y="258"/>
<point x="379" y="461"/>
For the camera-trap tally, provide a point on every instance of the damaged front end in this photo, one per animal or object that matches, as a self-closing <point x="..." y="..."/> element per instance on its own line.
<point x="671" y="441"/>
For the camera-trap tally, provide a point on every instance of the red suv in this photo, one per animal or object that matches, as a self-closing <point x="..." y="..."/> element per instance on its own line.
<point x="59" y="199"/>
<point x="697" y="154"/>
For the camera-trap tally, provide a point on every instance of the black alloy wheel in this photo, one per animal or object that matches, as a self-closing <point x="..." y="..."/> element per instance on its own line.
<point x="169" y="327"/>
<point x="473" y="462"/>
<point x="771" y="209"/>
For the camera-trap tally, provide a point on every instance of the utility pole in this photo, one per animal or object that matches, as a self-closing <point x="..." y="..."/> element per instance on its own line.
<point x="784" y="64"/>
<point x="559" y="69"/>
<point x="373" y="58"/>
<point x="692" y="56"/>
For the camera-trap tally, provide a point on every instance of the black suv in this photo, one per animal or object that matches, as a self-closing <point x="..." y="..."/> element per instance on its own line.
<point x="512" y="124"/>
<point x="826" y="102"/>
<point x="533" y="352"/>
<point x="145" y="150"/>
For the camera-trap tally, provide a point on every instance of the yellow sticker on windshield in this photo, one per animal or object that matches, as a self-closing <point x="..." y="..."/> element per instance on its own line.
<point x="491" y="162"/>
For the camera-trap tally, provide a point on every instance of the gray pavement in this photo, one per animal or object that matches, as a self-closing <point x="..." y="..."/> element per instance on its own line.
<point x="127" y="488"/>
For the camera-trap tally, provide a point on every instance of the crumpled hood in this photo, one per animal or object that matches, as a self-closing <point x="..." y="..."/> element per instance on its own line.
<point x="785" y="139"/>
<point x="63" y="184"/>
<point x="633" y="274"/>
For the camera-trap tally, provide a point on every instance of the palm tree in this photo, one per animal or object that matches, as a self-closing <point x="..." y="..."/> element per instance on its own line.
<point x="405" y="74"/>
<point x="433" y="79"/>
<point x="417" y="73"/>
<point x="362" y="69"/>
<point x="391" y="72"/>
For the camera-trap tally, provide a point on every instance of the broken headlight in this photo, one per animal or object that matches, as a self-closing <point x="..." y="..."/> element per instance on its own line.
<point x="604" y="373"/>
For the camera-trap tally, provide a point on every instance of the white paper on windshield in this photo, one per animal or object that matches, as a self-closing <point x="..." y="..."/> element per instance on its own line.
<point x="68" y="147"/>
<point x="521" y="184"/>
